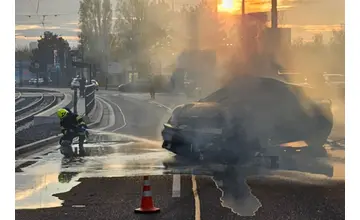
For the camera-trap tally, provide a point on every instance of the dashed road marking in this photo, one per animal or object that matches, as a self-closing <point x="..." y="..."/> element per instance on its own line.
<point x="176" y="185"/>
<point x="161" y="105"/>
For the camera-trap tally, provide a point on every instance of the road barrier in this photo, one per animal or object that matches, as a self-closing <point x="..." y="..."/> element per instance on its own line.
<point x="89" y="98"/>
<point x="147" y="205"/>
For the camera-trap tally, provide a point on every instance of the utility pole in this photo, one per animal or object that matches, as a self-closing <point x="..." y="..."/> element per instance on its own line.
<point x="243" y="33"/>
<point x="243" y="7"/>
<point x="274" y="33"/>
<point x="20" y="73"/>
<point x="82" y="60"/>
<point x="37" y="73"/>
<point x="274" y="14"/>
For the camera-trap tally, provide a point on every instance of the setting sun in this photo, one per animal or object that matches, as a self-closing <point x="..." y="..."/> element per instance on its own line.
<point x="234" y="6"/>
<point x="229" y="6"/>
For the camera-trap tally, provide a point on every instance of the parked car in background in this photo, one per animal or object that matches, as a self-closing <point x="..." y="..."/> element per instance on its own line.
<point x="336" y="83"/>
<point x="75" y="83"/>
<point x="41" y="81"/>
<point x="32" y="81"/>
<point x="141" y="85"/>
<point x="334" y="80"/>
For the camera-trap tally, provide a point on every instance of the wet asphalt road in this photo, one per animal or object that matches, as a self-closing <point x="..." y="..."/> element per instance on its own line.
<point x="99" y="187"/>
<point x="119" y="196"/>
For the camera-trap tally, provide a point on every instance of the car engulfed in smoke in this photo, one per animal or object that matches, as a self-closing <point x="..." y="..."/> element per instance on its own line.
<point x="250" y="118"/>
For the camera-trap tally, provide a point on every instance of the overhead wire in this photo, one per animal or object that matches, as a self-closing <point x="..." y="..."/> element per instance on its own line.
<point x="41" y="17"/>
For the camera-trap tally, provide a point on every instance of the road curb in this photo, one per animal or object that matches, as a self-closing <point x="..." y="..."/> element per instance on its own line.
<point x="38" y="144"/>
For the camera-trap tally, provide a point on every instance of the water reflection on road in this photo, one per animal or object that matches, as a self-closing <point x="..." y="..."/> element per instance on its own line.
<point x="52" y="174"/>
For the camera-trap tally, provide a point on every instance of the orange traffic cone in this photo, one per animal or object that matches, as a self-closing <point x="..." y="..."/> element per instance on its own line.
<point x="147" y="205"/>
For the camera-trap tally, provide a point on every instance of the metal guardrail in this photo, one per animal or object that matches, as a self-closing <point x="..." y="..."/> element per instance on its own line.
<point x="89" y="98"/>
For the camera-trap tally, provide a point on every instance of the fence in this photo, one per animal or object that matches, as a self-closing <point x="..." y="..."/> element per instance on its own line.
<point x="89" y="98"/>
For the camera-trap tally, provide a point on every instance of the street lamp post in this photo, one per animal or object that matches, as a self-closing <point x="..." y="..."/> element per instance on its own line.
<point x="37" y="73"/>
<point x="20" y="73"/>
<point x="275" y="31"/>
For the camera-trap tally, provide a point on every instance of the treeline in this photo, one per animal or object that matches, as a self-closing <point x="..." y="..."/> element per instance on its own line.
<point x="144" y="35"/>
<point x="147" y="35"/>
<point x="44" y="56"/>
<point x="317" y="56"/>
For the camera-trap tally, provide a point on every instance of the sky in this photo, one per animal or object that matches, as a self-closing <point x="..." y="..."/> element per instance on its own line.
<point x="305" y="17"/>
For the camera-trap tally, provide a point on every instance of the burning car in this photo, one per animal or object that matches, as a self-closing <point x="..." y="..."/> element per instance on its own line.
<point x="251" y="116"/>
<point x="197" y="127"/>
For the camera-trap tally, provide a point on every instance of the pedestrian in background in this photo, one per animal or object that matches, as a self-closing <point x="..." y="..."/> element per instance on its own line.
<point x="152" y="88"/>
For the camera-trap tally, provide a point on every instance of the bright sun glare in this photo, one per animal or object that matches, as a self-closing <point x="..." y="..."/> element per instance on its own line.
<point x="227" y="6"/>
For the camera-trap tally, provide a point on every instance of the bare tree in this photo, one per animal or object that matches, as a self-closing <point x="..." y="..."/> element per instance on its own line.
<point x="95" y="21"/>
<point x="141" y="30"/>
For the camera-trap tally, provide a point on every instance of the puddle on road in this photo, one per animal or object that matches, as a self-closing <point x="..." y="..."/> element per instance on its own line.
<point x="237" y="195"/>
<point x="52" y="174"/>
<point x="38" y="194"/>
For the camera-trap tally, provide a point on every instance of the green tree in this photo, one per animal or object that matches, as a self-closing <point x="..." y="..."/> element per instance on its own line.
<point x="22" y="53"/>
<point x="337" y="51"/>
<point x="44" y="54"/>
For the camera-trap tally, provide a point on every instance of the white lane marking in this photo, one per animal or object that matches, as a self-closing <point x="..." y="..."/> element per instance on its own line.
<point x="111" y="115"/>
<point x="176" y="187"/>
<point x="220" y="183"/>
<point x="141" y="98"/>
<point x="196" y="198"/>
<point x="161" y="105"/>
<point x="121" y="112"/>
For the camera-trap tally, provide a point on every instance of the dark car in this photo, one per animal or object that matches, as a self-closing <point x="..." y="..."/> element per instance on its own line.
<point x="199" y="125"/>
<point x="137" y="86"/>
<point x="245" y="117"/>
